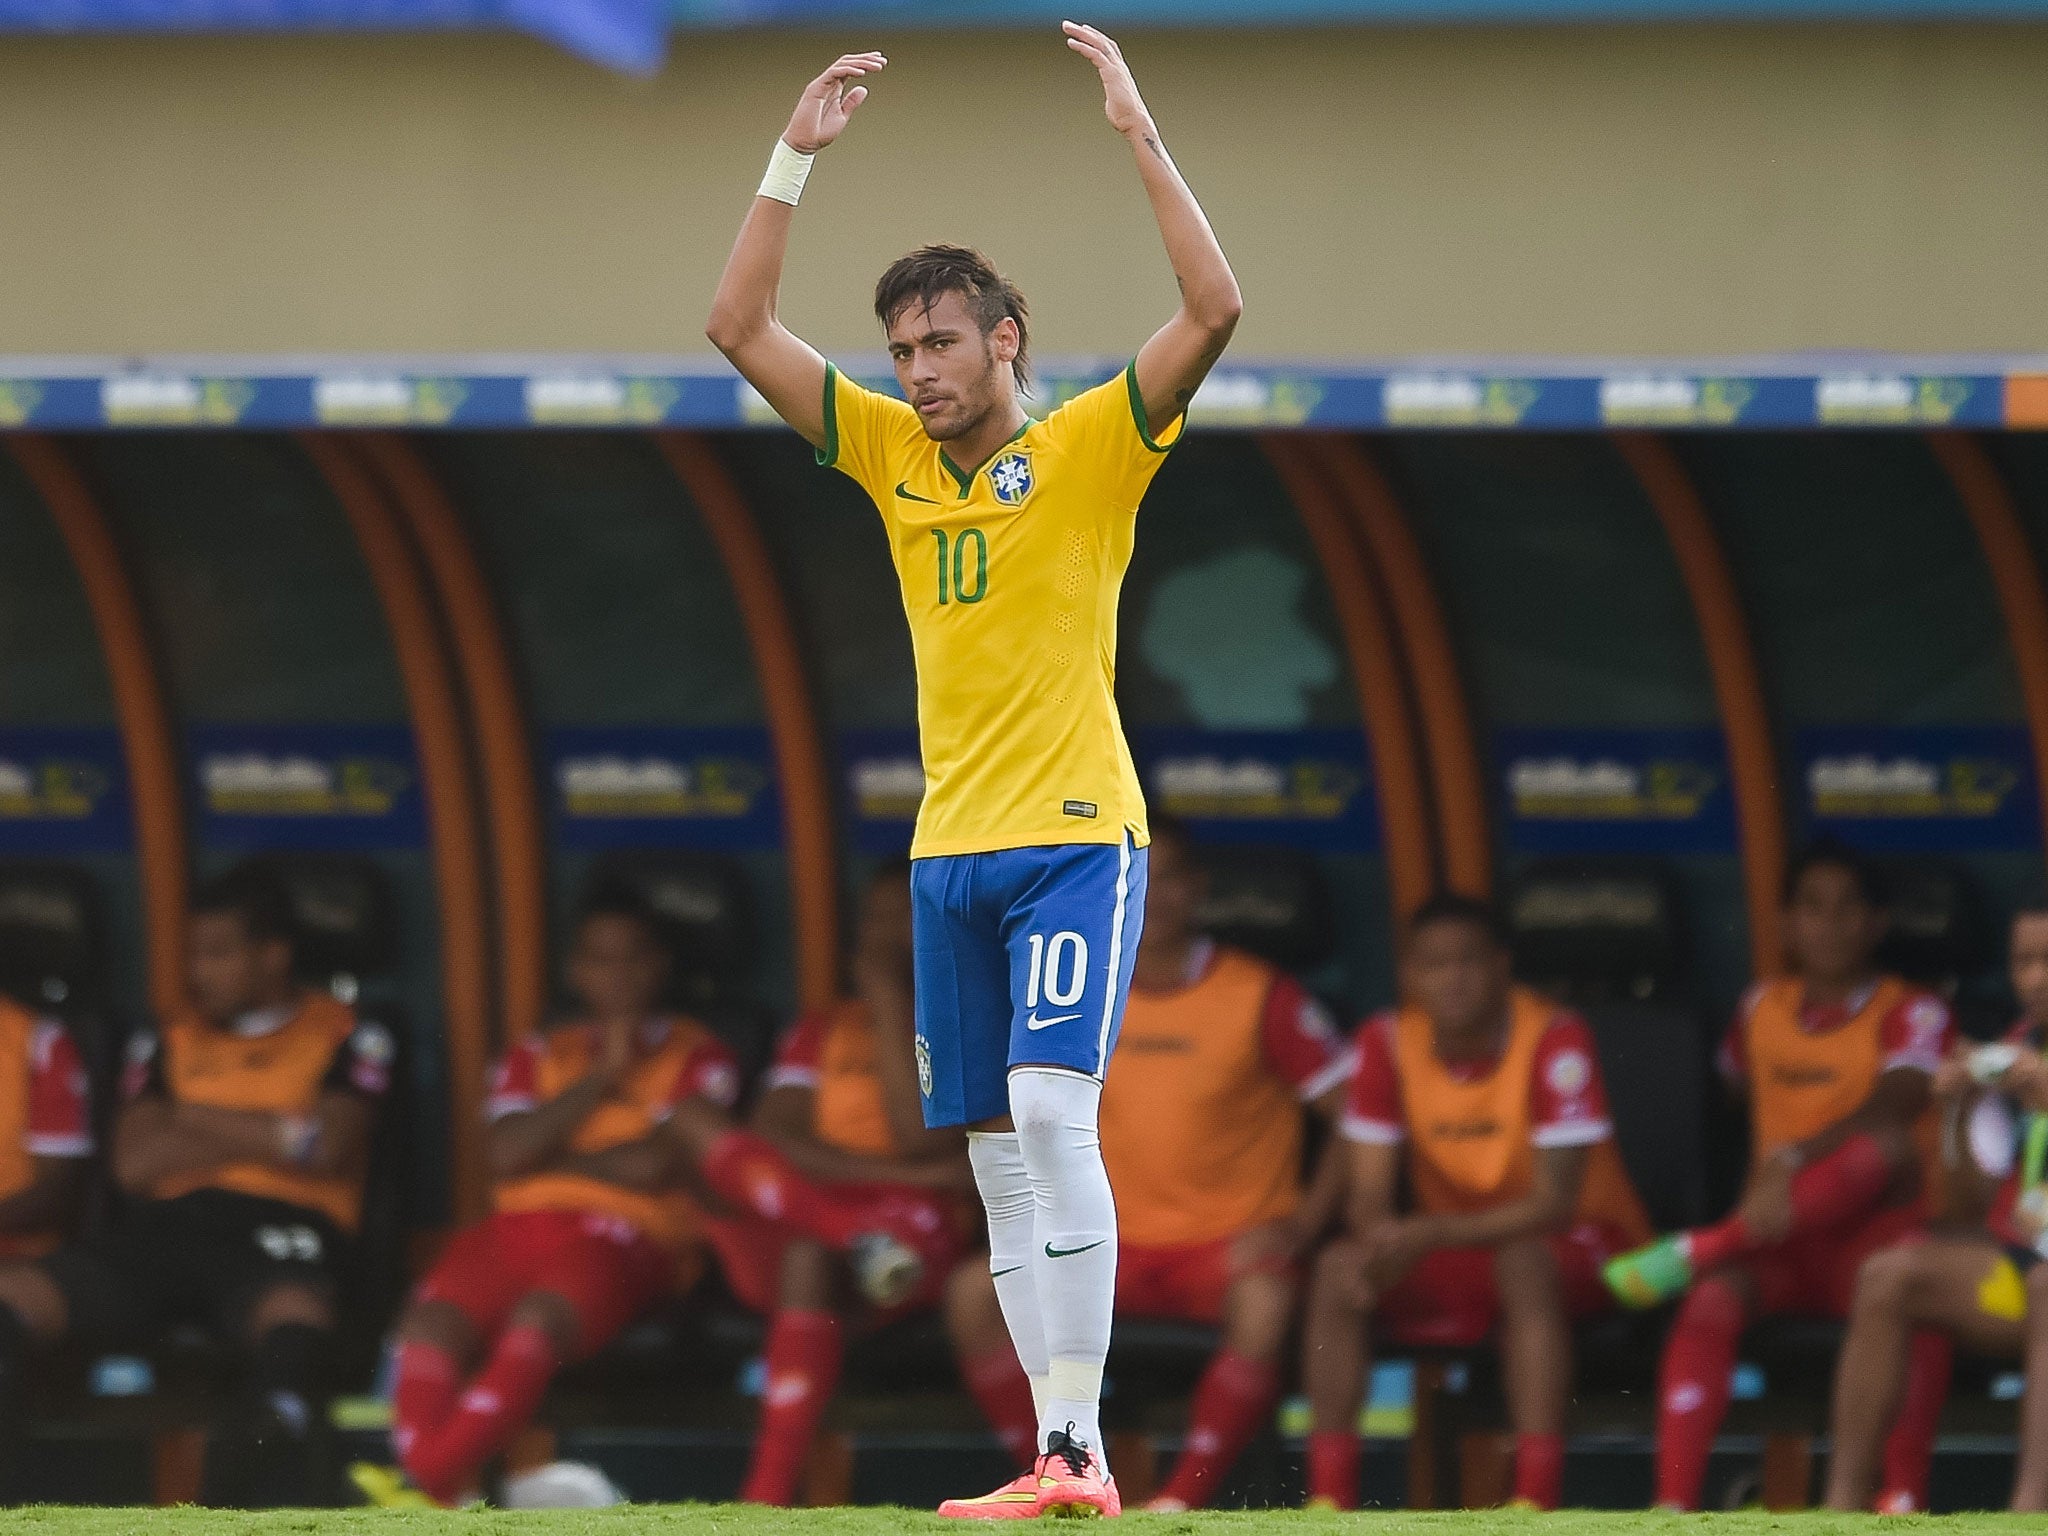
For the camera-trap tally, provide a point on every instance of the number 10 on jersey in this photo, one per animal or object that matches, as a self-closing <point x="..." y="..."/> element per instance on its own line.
<point x="957" y="588"/>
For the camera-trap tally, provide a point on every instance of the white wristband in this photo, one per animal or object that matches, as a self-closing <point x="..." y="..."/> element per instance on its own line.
<point x="787" y="169"/>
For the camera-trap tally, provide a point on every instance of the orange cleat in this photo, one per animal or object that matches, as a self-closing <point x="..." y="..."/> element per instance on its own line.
<point x="1072" y="1482"/>
<point x="1015" y="1500"/>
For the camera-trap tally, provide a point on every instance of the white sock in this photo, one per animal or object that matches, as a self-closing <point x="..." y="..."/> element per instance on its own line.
<point x="1012" y="1220"/>
<point x="1073" y="1257"/>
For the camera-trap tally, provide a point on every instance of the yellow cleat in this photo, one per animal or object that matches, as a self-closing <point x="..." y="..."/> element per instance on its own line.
<point x="386" y="1487"/>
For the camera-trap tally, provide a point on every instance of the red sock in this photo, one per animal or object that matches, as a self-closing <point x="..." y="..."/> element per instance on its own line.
<point x="1333" y="1467"/>
<point x="422" y="1393"/>
<point x="748" y="1171"/>
<point x="1825" y="1193"/>
<point x="1233" y="1397"/>
<point x="1909" y="1448"/>
<point x="803" y="1369"/>
<point x="1692" y="1389"/>
<point x="1003" y="1390"/>
<point x="499" y="1402"/>
<point x="1539" y="1469"/>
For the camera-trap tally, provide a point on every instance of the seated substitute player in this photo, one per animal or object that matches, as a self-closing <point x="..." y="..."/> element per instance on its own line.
<point x="241" y="1144"/>
<point x="45" y="1131"/>
<point x="1983" y="1285"/>
<point x="45" y="1139"/>
<point x="1010" y="539"/>
<point x="1202" y="1132"/>
<point x="1836" y="1061"/>
<point x="589" y="1225"/>
<point x="842" y="1104"/>
<point x="1519" y="1191"/>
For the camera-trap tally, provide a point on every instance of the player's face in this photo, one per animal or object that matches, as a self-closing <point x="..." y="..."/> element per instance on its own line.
<point x="1174" y="889"/>
<point x="1455" y="973"/>
<point x="952" y="375"/>
<point x="615" y="967"/>
<point x="882" y="932"/>
<point x="227" y="971"/>
<point x="2029" y="965"/>
<point x="1833" y="929"/>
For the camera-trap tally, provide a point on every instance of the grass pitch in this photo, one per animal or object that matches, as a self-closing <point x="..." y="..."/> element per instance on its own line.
<point x="747" y="1520"/>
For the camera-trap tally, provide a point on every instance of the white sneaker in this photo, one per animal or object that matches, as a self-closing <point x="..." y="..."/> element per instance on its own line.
<point x="562" y="1485"/>
<point x="885" y="1269"/>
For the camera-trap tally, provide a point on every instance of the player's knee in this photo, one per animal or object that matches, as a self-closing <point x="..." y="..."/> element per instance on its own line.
<point x="31" y="1295"/>
<point x="1337" y="1283"/>
<point x="1039" y="1107"/>
<point x="441" y="1324"/>
<point x="554" y="1315"/>
<point x="301" y="1305"/>
<point x="1888" y="1279"/>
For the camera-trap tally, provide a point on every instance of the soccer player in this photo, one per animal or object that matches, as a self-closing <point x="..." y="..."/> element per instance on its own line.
<point x="241" y="1144"/>
<point x="1010" y="537"/>
<point x="1985" y="1287"/>
<point x="45" y="1130"/>
<point x="589" y="1225"/>
<point x="1836" y="1061"/>
<point x="1202" y="1132"/>
<point x="1519" y="1191"/>
<point x="842" y="1104"/>
<point x="45" y="1139"/>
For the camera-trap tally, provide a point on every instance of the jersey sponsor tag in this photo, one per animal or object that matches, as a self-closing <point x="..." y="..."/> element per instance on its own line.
<point x="1078" y="808"/>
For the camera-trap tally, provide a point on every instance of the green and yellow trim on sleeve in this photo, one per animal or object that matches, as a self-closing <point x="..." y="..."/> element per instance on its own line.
<point x="829" y="454"/>
<point x="1180" y="422"/>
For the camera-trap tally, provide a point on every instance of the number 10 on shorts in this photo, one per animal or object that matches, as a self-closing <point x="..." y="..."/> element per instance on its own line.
<point x="1059" y="970"/>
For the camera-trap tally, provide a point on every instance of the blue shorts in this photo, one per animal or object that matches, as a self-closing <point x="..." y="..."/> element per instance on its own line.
<point x="1024" y="958"/>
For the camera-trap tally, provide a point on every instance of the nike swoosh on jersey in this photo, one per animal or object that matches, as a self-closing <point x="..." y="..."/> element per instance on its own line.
<point x="1067" y="1253"/>
<point x="903" y="489"/>
<point x="1033" y="1021"/>
<point x="997" y="1275"/>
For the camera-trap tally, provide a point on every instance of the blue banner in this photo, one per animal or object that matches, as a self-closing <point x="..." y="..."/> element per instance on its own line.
<point x="654" y="786"/>
<point x="63" y="792"/>
<point x="1922" y="789"/>
<point x="348" y="788"/>
<point x="1660" y="791"/>
<point x="1558" y="395"/>
<point x="629" y="35"/>
<point x="882" y="779"/>
<point x="1308" y="789"/>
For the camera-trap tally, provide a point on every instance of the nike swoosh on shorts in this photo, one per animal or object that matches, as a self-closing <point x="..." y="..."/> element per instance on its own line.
<point x="1033" y="1021"/>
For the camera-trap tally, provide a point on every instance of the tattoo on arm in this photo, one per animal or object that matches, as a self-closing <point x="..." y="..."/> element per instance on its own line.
<point x="1153" y="145"/>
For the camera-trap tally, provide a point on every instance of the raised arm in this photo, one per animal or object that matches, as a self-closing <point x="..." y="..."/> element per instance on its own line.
<point x="787" y="371"/>
<point x="1172" y="365"/>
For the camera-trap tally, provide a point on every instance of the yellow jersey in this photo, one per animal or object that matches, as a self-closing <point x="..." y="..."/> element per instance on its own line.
<point x="1010" y="574"/>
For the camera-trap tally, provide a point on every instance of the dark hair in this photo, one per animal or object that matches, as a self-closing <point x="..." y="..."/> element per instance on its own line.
<point x="1830" y="852"/>
<point x="257" y="895"/>
<point x="1456" y="907"/>
<point x="615" y="898"/>
<point x="931" y="272"/>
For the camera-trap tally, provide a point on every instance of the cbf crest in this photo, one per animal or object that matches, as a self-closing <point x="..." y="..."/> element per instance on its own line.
<point x="1010" y="478"/>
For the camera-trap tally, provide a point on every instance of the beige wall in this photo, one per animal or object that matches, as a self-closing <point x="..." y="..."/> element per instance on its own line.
<point x="1653" y="191"/>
